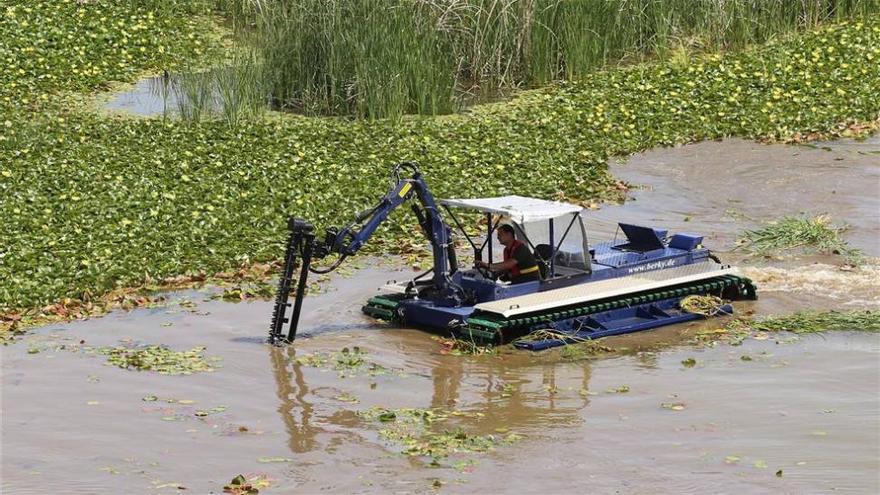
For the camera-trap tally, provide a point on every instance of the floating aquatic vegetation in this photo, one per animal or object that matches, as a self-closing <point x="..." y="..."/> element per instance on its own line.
<point x="574" y="348"/>
<point x="738" y="329"/>
<point x="820" y="321"/>
<point x="507" y="390"/>
<point x="159" y="359"/>
<point x="316" y="360"/>
<point x="348" y="362"/>
<point x="44" y="59"/>
<point x="618" y="390"/>
<point x="255" y="283"/>
<point x="550" y="334"/>
<point x="347" y="397"/>
<point x="269" y="460"/>
<point x="442" y="444"/>
<point x="585" y="350"/>
<point x="16" y="323"/>
<point x="707" y="305"/>
<point x="733" y="332"/>
<point x="207" y="412"/>
<point x="804" y="233"/>
<point x="165" y="198"/>
<point x="460" y="347"/>
<point x="411" y="429"/>
<point x="674" y="406"/>
<point x="349" y="359"/>
<point x="465" y="465"/>
<point x="245" y="292"/>
<point x="426" y="416"/>
<point x="250" y="485"/>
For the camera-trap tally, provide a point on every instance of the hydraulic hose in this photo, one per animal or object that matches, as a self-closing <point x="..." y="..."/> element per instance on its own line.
<point x="335" y="265"/>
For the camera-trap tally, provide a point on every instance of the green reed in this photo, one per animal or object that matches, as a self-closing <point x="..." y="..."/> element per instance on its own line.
<point x="383" y="58"/>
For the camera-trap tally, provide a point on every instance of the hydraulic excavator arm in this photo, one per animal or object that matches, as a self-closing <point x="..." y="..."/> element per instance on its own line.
<point x="303" y="247"/>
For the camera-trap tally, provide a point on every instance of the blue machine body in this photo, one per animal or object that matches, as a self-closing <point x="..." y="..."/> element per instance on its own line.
<point x="644" y="249"/>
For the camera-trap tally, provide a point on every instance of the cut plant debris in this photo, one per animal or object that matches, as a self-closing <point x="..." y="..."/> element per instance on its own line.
<point x="736" y="330"/>
<point x="250" y="485"/>
<point x="820" y="321"/>
<point x="806" y="233"/>
<point x="704" y="305"/>
<point x="461" y="347"/>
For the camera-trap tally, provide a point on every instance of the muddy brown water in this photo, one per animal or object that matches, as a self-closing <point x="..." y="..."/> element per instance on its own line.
<point x="719" y="188"/>
<point x="807" y="406"/>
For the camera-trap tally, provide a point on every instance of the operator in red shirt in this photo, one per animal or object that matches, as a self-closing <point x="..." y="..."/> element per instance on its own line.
<point x="519" y="263"/>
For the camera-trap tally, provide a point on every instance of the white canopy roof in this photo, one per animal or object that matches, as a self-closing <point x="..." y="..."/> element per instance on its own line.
<point x="519" y="208"/>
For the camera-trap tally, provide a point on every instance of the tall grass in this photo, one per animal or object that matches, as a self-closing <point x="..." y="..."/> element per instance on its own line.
<point x="379" y="58"/>
<point x="357" y="57"/>
<point x="194" y="93"/>
<point x="235" y="91"/>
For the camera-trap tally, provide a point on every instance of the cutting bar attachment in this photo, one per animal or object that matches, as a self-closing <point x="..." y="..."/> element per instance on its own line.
<point x="299" y="244"/>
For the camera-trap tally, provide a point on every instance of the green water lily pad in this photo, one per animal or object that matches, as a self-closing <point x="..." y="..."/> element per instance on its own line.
<point x="387" y="416"/>
<point x="346" y="397"/>
<point x="159" y="359"/>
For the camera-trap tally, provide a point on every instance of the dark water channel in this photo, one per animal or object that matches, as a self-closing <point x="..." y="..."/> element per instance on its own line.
<point x="806" y="406"/>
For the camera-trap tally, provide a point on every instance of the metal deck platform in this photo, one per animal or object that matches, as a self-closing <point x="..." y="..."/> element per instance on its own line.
<point x="602" y="289"/>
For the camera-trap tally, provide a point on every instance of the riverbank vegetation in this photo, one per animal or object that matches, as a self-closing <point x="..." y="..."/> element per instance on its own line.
<point x="386" y="59"/>
<point x="90" y="204"/>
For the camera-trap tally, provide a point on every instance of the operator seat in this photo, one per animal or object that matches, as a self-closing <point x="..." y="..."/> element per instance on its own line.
<point x="542" y="256"/>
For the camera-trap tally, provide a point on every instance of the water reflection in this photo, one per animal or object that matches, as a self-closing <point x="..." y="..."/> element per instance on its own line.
<point x="295" y="410"/>
<point x="150" y="97"/>
<point x="512" y="395"/>
<point x="491" y="395"/>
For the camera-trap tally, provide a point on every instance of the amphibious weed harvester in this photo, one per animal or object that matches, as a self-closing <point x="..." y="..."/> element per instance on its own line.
<point x="584" y="292"/>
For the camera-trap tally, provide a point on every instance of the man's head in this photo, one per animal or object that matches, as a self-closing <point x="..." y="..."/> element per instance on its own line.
<point x="506" y="235"/>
